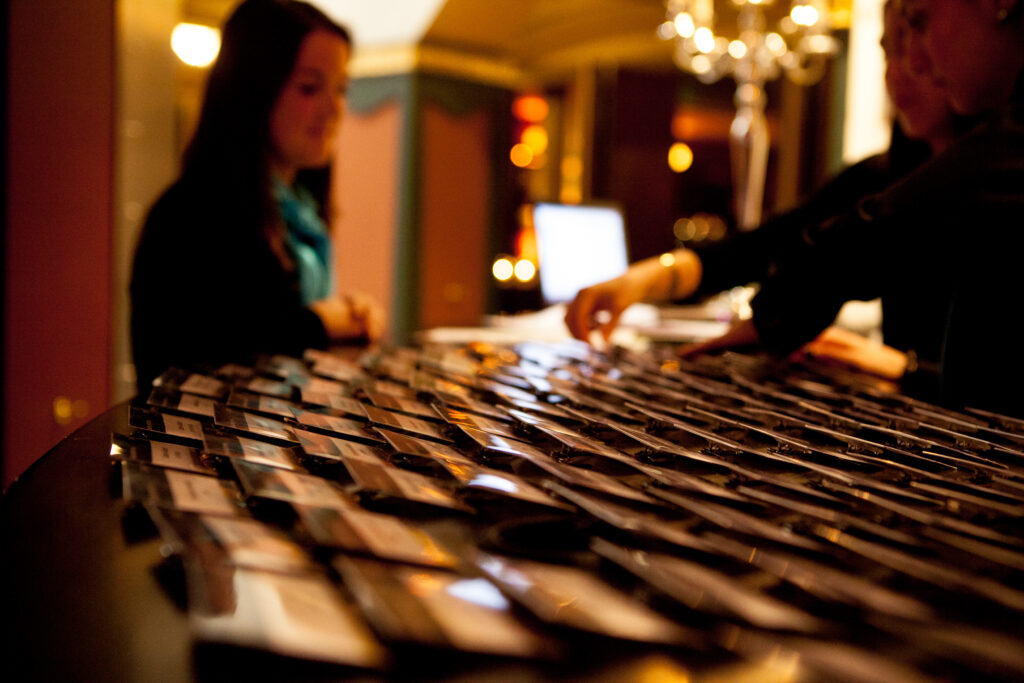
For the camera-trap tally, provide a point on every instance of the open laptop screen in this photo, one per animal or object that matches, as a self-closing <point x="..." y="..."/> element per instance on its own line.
<point x="578" y="246"/>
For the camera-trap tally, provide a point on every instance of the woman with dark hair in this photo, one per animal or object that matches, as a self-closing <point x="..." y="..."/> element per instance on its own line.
<point x="235" y="257"/>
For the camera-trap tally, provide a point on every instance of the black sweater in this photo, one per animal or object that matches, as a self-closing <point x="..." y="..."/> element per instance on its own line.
<point x="208" y="289"/>
<point x="949" y="239"/>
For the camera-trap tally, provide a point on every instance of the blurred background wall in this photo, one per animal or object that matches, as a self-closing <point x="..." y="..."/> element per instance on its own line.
<point x="461" y="112"/>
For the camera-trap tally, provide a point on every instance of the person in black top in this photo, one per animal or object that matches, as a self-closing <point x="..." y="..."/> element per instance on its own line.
<point x="234" y="258"/>
<point x="955" y="225"/>
<point x="924" y="125"/>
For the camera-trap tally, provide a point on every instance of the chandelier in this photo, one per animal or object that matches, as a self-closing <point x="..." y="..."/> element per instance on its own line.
<point x="752" y="55"/>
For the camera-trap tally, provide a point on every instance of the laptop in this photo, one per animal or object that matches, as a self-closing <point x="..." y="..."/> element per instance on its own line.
<point x="578" y="245"/>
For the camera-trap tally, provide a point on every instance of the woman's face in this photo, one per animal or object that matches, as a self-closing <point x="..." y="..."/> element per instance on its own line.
<point x="305" y="117"/>
<point x="922" y="108"/>
<point x="964" y="49"/>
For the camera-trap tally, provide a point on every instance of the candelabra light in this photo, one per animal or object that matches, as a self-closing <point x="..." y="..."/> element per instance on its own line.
<point x="753" y="55"/>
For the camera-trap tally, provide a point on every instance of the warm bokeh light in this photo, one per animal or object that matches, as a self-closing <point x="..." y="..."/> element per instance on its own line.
<point x="818" y="43"/>
<point x="536" y="138"/>
<point x="195" y="44"/>
<point x="700" y="64"/>
<point x="530" y="108"/>
<point x="700" y="227"/>
<point x="704" y="39"/>
<point x="525" y="270"/>
<point x="680" y="157"/>
<point x="775" y="43"/>
<point x="667" y="259"/>
<point x="521" y="155"/>
<point x="684" y="229"/>
<point x="684" y="25"/>
<point x="804" y="15"/>
<point x="737" y="49"/>
<point x="503" y="270"/>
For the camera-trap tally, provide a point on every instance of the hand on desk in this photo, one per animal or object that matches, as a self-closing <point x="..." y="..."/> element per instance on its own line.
<point x="600" y="306"/>
<point x="859" y="352"/>
<point x="351" y="315"/>
<point x="654" y="279"/>
<point x="833" y="345"/>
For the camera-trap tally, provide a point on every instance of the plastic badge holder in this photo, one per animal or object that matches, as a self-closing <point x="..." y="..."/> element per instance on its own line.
<point x="405" y="406"/>
<point x="339" y="427"/>
<point x="151" y="421"/>
<point x="381" y="483"/>
<point x="594" y="481"/>
<point x="337" y="369"/>
<point x="192" y="383"/>
<point x="286" y="368"/>
<point x="385" y="419"/>
<point x="254" y="424"/>
<point x="338" y="404"/>
<point x="440" y="609"/>
<point x="443" y="384"/>
<point x="273" y="484"/>
<point x="422" y="448"/>
<point x="544" y="409"/>
<point x="575" y="598"/>
<point x="391" y="388"/>
<point x="244" y="542"/>
<point x="297" y="615"/>
<point x="172" y="399"/>
<point x="261" y="403"/>
<point x="370" y="533"/>
<point x="269" y="387"/>
<point x="710" y="591"/>
<point x="253" y="450"/>
<point x="497" y="449"/>
<point x="333" y="449"/>
<point x="483" y="485"/>
<point x="322" y="385"/>
<point x="462" y="419"/>
<point x="177" y="490"/>
<point x="471" y="405"/>
<point x="164" y="454"/>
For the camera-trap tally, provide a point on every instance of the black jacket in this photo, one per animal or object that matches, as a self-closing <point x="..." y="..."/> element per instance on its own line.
<point x="207" y="289"/>
<point x="949" y="237"/>
<point x="753" y="256"/>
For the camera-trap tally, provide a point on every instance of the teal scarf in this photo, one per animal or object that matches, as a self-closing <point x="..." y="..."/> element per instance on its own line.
<point x="308" y="239"/>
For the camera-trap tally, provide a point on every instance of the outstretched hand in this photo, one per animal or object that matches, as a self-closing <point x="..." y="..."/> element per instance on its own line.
<point x="600" y="306"/>
<point x="661" y="278"/>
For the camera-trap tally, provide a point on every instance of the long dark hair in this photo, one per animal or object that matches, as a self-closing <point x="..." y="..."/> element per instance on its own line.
<point x="229" y="155"/>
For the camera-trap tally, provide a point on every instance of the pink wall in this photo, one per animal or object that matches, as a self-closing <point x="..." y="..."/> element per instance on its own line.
<point x="59" y="221"/>
<point x="454" y="217"/>
<point x="366" y="186"/>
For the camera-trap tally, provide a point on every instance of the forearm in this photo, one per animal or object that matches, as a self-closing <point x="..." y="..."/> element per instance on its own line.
<point x="671" y="276"/>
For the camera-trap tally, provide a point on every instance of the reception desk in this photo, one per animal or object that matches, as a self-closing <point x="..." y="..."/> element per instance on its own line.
<point x="737" y="517"/>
